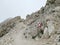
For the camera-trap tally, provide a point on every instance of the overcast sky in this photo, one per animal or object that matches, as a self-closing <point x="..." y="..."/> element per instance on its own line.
<point x="12" y="8"/>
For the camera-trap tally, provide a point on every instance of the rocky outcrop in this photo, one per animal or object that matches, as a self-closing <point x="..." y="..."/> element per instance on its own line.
<point x="53" y="2"/>
<point x="42" y="27"/>
<point x="8" y="25"/>
<point x="48" y="15"/>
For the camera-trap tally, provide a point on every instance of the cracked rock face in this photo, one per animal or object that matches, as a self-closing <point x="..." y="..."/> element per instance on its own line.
<point x="8" y="25"/>
<point x="55" y="2"/>
<point x="39" y="28"/>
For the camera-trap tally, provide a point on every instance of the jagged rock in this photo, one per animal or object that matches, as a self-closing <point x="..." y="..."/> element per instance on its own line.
<point x="6" y="27"/>
<point x="50" y="2"/>
<point x="28" y="17"/>
<point x="30" y="32"/>
<point x="53" y="2"/>
<point x="20" y="30"/>
<point x="57" y="40"/>
<point x="50" y="27"/>
<point x="46" y="33"/>
<point x="57" y="2"/>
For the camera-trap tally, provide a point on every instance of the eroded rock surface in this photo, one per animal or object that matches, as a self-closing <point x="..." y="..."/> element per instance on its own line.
<point x="39" y="28"/>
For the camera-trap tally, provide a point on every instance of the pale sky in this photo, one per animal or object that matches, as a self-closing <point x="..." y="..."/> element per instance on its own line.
<point x="12" y="8"/>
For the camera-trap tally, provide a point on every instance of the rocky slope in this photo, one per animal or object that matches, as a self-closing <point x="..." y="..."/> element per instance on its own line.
<point x="39" y="28"/>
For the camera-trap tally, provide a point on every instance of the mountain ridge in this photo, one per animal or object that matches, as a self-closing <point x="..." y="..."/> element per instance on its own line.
<point x="39" y="28"/>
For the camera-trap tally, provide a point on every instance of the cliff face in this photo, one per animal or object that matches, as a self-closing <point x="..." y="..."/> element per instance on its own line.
<point x="55" y="2"/>
<point x="39" y="28"/>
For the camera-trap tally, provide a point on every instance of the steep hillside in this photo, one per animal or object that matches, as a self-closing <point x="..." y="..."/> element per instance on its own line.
<point x="39" y="28"/>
